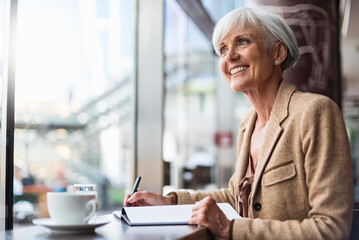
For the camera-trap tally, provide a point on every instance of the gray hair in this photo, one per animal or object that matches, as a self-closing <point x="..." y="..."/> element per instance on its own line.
<point x="270" y="25"/>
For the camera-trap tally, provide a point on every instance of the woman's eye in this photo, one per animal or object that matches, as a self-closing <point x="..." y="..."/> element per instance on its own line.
<point x="243" y="42"/>
<point x="223" y="51"/>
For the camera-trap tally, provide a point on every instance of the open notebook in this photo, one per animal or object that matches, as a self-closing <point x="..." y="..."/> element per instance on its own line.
<point x="165" y="215"/>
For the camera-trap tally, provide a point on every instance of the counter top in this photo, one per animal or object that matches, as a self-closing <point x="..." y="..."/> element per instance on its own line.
<point x="115" y="229"/>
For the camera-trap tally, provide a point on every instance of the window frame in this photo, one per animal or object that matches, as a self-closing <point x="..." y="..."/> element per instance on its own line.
<point x="7" y="117"/>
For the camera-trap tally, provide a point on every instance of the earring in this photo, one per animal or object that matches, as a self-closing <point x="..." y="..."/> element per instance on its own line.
<point x="276" y="62"/>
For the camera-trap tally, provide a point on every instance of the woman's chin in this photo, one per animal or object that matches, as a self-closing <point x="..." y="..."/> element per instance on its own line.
<point x="236" y="88"/>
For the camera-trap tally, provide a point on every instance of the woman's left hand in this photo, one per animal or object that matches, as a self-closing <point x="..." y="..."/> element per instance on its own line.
<point x="207" y="213"/>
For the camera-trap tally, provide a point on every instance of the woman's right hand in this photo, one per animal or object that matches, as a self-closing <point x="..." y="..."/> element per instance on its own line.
<point x="144" y="198"/>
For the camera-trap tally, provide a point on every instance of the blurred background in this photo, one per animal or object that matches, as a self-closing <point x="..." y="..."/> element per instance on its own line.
<point x="102" y="94"/>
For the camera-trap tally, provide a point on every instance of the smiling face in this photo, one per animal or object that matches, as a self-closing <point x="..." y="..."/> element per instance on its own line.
<point x="245" y="61"/>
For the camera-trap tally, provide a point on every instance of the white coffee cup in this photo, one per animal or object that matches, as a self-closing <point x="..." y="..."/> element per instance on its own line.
<point x="71" y="208"/>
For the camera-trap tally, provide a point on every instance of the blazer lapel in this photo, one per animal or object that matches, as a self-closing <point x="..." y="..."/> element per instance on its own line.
<point x="272" y="135"/>
<point x="274" y="130"/>
<point x="243" y="153"/>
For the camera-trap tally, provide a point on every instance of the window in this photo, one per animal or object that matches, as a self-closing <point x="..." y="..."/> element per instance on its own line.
<point x="73" y="101"/>
<point x="351" y="118"/>
<point x="190" y="121"/>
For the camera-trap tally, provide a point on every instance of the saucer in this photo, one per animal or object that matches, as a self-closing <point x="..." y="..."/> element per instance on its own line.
<point x="80" y="228"/>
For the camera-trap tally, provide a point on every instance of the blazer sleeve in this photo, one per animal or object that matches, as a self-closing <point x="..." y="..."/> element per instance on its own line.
<point x="220" y="195"/>
<point x="327" y="164"/>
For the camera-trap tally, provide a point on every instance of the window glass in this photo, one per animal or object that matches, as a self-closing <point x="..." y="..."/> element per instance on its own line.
<point x="191" y="111"/>
<point x="190" y="102"/>
<point x="351" y="118"/>
<point x="217" y="8"/>
<point x="73" y="101"/>
<point x="349" y="49"/>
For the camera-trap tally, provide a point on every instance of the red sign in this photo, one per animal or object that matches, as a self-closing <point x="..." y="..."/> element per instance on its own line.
<point x="224" y="139"/>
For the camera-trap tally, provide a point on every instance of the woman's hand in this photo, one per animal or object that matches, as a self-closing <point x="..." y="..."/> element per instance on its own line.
<point x="207" y="213"/>
<point x="144" y="198"/>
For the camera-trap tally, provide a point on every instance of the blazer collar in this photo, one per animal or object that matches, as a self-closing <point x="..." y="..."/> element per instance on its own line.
<point x="280" y="108"/>
<point x="281" y="103"/>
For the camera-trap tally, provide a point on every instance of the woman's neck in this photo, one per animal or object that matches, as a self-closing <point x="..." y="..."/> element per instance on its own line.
<point x="263" y="99"/>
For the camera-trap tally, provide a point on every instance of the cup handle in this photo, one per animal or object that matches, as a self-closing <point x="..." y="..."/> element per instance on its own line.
<point x="91" y="205"/>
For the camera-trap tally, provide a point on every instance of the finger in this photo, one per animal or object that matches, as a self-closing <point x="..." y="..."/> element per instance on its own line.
<point x="203" y="202"/>
<point x="200" y="209"/>
<point x="197" y="206"/>
<point x="194" y="214"/>
<point x="126" y="199"/>
<point x="127" y="196"/>
<point x="130" y="194"/>
<point x="199" y="214"/>
<point x="135" y="197"/>
<point x="208" y="201"/>
<point x="197" y="220"/>
<point x="141" y="197"/>
<point x="192" y="220"/>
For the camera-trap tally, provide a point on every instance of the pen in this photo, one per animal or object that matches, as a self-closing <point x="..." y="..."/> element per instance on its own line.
<point x="134" y="189"/>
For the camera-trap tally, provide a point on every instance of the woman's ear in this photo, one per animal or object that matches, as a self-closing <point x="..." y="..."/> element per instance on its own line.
<point x="279" y="53"/>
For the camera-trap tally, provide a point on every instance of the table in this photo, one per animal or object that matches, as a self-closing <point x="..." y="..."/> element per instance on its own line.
<point x="116" y="229"/>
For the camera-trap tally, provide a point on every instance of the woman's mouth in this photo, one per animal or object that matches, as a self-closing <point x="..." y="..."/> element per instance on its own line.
<point x="238" y="69"/>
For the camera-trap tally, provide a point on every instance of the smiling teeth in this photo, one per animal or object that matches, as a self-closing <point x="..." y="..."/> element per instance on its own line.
<point x="238" y="69"/>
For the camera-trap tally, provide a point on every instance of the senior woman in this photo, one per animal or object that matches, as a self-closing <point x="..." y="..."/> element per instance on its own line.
<point x="293" y="176"/>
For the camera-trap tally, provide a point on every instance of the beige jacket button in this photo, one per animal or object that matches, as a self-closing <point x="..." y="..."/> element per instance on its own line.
<point x="257" y="206"/>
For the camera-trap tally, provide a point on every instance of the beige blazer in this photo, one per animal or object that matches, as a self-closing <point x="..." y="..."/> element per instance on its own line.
<point x="303" y="185"/>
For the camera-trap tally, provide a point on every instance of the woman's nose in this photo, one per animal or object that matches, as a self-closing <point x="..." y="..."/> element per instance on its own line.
<point x="232" y="54"/>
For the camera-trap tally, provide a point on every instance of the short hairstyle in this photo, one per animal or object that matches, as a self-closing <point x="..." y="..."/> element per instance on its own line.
<point x="270" y="25"/>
